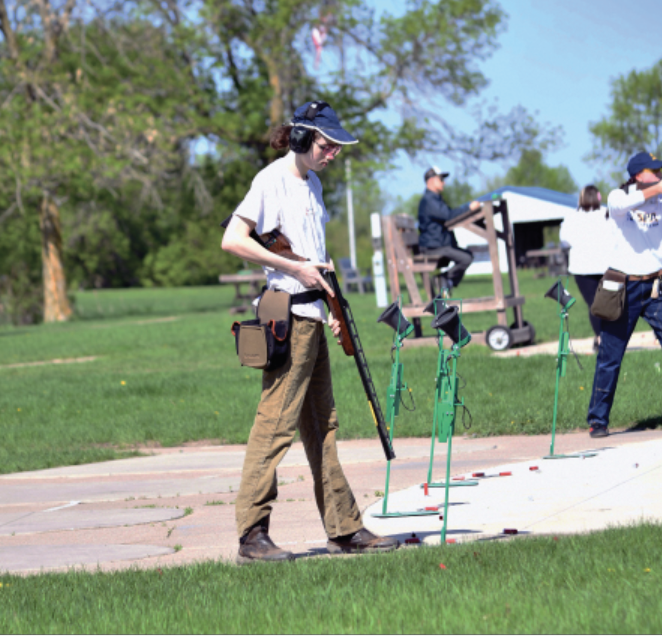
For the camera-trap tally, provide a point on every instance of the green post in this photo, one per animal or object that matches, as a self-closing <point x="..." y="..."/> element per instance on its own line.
<point x="560" y="367"/>
<point x="453" y="355"/>
<point x="445" y="401"/>
<point x="393" y="396"/>
<point x="564" y="301"/>
<point x="394" y="318"/>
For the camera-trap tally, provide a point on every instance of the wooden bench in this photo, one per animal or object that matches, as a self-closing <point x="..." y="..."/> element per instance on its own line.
<point x="401" y="243"/>
<point x="250" y="277"/>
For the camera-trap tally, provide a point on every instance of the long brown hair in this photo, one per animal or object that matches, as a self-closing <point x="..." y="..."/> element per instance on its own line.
<point x="280" y="137"/>
<point x="589" y="199"/>
<point x="628" y="183"/>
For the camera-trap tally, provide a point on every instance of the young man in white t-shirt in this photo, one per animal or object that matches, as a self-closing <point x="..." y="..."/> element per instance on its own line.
<point x="636" y="211"/>
<point x="287" y="195"/>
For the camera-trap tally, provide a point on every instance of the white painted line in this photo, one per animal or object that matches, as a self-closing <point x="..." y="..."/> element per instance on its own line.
<point x="69" y="505"/>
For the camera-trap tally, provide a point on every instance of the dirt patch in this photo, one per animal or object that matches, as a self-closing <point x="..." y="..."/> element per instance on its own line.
<point x="44" y="362"/>
<point x="147" y="321"/>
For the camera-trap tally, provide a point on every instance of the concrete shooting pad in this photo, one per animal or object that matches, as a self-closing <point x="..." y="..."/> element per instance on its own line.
<point x="175" y="506"/>
<point x="70" y="518"/>
<point x="32" y="558"/>
<point x="640" y="341"/>
<point x="616" y="486"/>
<point x="111" y="489"/>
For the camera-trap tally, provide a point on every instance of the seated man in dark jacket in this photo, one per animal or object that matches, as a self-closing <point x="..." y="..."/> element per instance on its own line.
<point x="435" y="239"/>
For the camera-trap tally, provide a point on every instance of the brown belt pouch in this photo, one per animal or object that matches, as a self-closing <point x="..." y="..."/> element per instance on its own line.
<point x="609" y="298"/>
<point x="264" y="343"/>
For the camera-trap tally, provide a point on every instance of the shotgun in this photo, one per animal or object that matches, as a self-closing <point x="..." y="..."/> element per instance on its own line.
<point x="277" y="243"/>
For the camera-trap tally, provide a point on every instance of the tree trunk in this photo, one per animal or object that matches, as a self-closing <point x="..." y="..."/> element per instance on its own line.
<point x="276" y="108"/>
<point x="56" y="303"/>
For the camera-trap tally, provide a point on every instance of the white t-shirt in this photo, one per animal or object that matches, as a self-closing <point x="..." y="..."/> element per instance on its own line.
<point x="637" y="232"/>
<point x="280" y="200"/>
<point x="589" y="236"/>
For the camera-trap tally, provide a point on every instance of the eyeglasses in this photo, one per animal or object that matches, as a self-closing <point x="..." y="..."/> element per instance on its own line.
<point x="329" y="149"/>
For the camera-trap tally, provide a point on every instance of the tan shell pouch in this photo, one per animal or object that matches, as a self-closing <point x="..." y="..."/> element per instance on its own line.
<point x="264" y="343"/>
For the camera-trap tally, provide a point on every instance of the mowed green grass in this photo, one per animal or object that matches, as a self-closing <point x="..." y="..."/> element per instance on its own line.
<point x="605" y="582"/>
<point x="166" y="373"/>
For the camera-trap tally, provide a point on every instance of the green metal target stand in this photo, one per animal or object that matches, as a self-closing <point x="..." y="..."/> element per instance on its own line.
<point x="393" y="317"/>
<point x="447" y="321"/>
<point x="564" y="302"/>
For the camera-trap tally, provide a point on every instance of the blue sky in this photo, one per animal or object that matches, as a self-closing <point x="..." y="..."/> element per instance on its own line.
<point x="556" y="58"/>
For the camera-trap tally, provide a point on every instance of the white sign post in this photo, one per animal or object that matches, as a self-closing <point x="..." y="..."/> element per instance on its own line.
<point x="350" y="213"/>
<point x="378" y="260"/>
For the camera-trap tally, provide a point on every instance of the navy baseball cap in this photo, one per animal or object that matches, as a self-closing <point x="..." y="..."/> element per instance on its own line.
<point x="434" y="171"/>
<point x="642" y="161"/>
<point x="321" y="117"/>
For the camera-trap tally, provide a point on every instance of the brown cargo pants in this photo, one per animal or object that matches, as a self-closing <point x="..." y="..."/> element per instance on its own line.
<point x="298" y="395"/>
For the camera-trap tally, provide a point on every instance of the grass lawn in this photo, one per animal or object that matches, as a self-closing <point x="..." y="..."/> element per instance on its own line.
<point x="165" y="372"/>
<point x="605" y="582"/>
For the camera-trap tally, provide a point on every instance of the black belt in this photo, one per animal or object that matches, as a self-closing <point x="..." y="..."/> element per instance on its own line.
<point x="306" y="297"/>
<point x="646" y="276"/>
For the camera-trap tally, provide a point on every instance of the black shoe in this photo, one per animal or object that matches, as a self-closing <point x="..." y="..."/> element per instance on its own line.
<point x="598" y="431"/>
<point x="444" y="285"/>
<point x="258" y="546"/>
<point x="361" y="541"/>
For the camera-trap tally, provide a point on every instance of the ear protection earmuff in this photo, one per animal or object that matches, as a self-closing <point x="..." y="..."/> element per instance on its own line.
<point x="301" y="138"/>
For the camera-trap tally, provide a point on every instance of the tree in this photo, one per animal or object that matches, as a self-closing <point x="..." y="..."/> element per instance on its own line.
<point x="634" y="119"/>
<point x="531" y="170"/>
<point x="430" y="53"/>
<point x="90" y="104"/>
<point x="101" y="103"/>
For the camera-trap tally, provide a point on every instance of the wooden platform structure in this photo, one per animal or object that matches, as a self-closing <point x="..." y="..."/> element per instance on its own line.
<point x="401" y="247"/>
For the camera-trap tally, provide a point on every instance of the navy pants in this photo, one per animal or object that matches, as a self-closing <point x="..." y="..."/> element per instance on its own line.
<point x="614" y="339"/>
<point x="461" y="259"/>
<point x="588" y="285"/>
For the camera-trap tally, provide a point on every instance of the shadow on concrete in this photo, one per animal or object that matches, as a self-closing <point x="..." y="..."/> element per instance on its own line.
<point x="502" y="536"/>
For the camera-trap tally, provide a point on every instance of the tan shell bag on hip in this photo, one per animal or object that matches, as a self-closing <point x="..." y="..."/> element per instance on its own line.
<point x="264" y="343"/>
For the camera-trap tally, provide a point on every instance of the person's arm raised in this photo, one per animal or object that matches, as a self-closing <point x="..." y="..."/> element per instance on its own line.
<point x="652" y="191"/>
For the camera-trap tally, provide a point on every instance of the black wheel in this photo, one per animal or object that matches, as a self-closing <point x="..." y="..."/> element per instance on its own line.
<point x="532" y="331"/>
<point x="499" y="338"/>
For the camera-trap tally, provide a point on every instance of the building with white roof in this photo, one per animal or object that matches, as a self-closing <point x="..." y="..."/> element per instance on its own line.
<point x="530" y="209"/>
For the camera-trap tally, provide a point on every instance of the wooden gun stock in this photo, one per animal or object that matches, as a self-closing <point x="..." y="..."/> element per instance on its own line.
<point x="275" y="242"/>
<point x="345" y="335"/>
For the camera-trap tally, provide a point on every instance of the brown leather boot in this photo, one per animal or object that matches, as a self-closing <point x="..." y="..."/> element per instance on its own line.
<point x="257" y="546"/>
<point x="361" y="541"/>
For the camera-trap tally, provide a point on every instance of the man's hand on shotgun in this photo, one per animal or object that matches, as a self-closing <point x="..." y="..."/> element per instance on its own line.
<point x="309" y="274"/>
